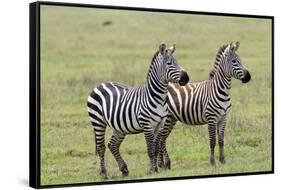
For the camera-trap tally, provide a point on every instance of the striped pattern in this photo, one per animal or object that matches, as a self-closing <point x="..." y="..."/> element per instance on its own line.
<point x="134" y="110"/>
<point x="206" y="102"/>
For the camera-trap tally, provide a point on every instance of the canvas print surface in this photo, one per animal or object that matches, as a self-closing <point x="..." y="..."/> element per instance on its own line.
<point x="120" y="101"/>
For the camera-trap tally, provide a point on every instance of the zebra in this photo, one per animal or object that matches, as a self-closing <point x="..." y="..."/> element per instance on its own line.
<point x="129" y="110"/>
<point x="206" y="102"/>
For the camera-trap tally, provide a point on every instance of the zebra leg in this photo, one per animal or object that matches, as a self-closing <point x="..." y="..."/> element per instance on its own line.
<point x="160" y="137"/>
<point x="212" y="136"/>
<point x="220" y="132"/>
<point x="164" y="133"/>
<point x="165" y="157"/>
<point x="156" y="150"/>
<point x="100" y="148"/>
<point x="114" y="145"/>
<point x="167" y="161"/>
<point x="160" y="160"/>
<point x="151" y="148"/>
<point x="164" y="163"/>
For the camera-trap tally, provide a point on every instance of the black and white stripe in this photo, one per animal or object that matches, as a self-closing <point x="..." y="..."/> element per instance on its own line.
<point x="134" y="110"/>
<point x="206" y="102"/>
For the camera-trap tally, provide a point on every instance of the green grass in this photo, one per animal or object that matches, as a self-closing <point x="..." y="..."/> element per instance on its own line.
<point x="78" y="52"/>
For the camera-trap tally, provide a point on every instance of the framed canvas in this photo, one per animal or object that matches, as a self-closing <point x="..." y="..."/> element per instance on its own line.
<point x="127" y="94"/>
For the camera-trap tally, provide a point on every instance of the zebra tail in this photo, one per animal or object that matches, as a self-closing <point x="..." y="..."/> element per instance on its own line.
<point x="96" y="151"/>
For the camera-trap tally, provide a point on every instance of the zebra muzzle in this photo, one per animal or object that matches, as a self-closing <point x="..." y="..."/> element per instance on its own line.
<point x="184" y="78"/>
<point x="247" y="76"/>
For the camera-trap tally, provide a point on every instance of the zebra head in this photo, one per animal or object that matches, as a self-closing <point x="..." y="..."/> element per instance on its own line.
<point x="171" y="71"/>
<point x="234" y="65"/>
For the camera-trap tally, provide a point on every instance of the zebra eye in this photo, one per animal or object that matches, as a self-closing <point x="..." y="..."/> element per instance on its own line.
<point x="169" y="63"/>
<point x="233" y="61"/>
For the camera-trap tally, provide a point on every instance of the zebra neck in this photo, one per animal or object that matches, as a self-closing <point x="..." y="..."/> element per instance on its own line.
<point x="222" y="81"/>
<point x="157" y="89"/>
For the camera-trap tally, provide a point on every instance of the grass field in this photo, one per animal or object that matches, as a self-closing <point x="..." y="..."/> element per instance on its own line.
<point x="81" y="47"/>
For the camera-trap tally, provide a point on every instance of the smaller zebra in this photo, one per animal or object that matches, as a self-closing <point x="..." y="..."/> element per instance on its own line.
<point x="128" y="110"/>
<point x="206" y="102"/>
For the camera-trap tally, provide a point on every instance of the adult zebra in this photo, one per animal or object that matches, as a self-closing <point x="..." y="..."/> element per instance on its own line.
<point x="134" y="110"/>
<point x="206" y="102"/>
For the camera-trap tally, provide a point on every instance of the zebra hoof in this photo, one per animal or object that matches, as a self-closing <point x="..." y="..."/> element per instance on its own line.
<point x="103" y="174"/>
<point x="167" y="165"/>
<point x="156" y="170"/>
<point x="160" y="164"/>
<point x="124" y="170"/>
<point x="222" y="160"/>
<point x="125" y="173"/>
<point x="212" y="162"/>
<point x="153" y="170"/>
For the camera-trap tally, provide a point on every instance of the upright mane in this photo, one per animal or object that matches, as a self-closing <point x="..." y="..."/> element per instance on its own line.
<point x="151" y="64"/>
<point x="217" y="61"/>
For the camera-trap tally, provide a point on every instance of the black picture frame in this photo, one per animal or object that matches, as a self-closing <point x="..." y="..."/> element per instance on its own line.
<point x="34" y="91"/>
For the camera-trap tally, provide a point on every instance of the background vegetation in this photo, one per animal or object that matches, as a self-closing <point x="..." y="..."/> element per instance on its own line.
<point x="81" y="47"/>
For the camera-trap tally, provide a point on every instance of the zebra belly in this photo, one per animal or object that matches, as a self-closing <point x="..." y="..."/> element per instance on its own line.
<point x="190" y="115"/>
<point x="126" y="125"/>
<point x="193" y="122"/>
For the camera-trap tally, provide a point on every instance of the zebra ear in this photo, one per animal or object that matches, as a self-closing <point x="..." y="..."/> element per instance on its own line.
<point x="237" y="44"/>
<point x="162" y="48"/>
<point x="232" y="46"/>
<point x="173" y="48"/>
<point x="211" y="74"/>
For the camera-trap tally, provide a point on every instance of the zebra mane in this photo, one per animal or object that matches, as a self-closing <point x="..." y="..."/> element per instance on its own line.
<point x="151" y="64"/>
<point x="217" y="61"/>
